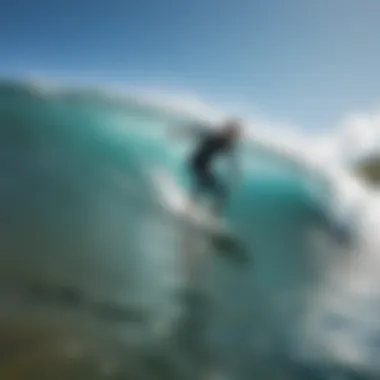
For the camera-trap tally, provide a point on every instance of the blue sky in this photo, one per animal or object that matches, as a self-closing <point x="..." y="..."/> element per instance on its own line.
<point x="307" y="62"/>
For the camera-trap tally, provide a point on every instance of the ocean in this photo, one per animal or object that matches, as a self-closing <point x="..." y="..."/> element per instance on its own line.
<point x="93" y="248"/>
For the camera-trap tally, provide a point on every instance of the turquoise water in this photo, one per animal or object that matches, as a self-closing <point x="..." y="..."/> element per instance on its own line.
<point x="82" y="209"/>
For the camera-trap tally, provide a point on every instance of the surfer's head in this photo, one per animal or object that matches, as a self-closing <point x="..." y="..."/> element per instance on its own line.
<point x="232" y="128"/>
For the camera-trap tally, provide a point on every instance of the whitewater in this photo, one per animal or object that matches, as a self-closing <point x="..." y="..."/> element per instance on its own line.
<point x="90" y="182"/>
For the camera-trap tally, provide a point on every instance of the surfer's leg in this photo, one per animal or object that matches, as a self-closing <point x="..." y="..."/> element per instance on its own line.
<point x="198" y="187"/>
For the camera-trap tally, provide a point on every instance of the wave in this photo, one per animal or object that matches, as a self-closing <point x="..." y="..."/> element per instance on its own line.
<point x="87" y="178"/>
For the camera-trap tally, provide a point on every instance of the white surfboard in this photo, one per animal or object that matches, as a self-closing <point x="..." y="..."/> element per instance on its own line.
<point x="204" y="223"/>
<point x="220" y="236"/>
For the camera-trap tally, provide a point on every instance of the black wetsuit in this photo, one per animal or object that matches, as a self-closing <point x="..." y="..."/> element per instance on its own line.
<point x="210" y="146"/>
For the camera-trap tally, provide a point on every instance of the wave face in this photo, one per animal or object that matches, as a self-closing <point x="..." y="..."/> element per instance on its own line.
<point x="88" y="192"/>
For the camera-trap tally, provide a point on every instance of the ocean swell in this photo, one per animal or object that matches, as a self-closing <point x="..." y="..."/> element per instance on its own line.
<point x="89" y="190"/>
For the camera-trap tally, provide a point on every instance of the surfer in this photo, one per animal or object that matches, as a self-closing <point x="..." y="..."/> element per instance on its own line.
<point x="211" y="145"/>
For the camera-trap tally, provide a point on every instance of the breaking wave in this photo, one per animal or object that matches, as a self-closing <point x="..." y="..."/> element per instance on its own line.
<point x="90" y="189"/>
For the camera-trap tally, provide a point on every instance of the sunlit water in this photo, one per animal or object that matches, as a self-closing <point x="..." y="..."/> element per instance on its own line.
<point x="90" y="237"/>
